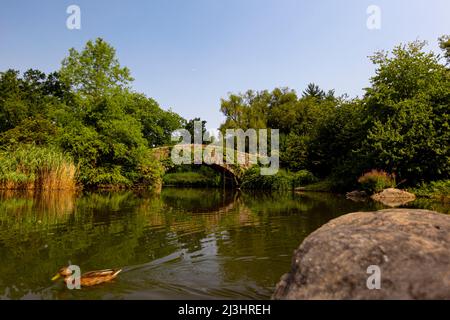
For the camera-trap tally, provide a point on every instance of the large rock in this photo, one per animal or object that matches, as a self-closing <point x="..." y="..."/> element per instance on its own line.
<point x="411" y="248"/>
<point x="392" y="197"/>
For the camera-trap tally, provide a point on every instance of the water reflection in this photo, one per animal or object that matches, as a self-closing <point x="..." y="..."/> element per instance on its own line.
<point x="185" y="243"/>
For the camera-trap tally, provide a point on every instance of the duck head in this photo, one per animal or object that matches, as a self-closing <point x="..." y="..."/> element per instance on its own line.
<point x="63" y="272"/>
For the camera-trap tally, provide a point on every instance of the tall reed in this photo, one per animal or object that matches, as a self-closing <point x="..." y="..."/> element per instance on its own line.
<point x="41" y="168"/>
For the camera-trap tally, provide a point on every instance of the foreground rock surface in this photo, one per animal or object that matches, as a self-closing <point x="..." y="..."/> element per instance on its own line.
<point x="392" y="197"/>
<point x="411" y="248"/>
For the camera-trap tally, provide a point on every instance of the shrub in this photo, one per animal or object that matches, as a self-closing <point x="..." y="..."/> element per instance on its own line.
<point x="302" y="178"/>
<point x="376" y="181"/>
<point x="105" y="177"/>
<point x="436" y="189"/>
<point x="252" y="179"/>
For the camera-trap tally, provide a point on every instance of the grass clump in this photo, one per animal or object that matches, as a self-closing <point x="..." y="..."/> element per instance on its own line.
<point x="376" y="181"/>
<point x="30" y="167"/>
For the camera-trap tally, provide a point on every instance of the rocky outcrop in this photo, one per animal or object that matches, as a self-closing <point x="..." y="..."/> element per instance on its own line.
<point x="410" y="247"/>
<point x="392" y="197"/>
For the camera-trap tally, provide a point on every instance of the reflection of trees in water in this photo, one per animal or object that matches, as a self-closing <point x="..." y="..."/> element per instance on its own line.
<point x="95" y="231"/>
<point x="280" y="223"/>
<point x="40" y="233"/>
<point x="197" y="200"/>
<point x="430" y="204"/>
<point x="46" y="207"/>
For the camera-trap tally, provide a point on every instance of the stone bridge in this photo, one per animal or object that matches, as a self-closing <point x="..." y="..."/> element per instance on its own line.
<point x="215" y="158"/>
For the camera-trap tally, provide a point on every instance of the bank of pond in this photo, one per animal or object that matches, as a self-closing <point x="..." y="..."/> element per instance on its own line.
<point x="36" y="168"/>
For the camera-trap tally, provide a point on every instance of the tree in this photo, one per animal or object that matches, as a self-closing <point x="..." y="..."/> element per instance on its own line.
<point x="190" y="126"/>
<point x="332" y="146"/>
<point x="313" y="90"/>
<point x="95" y="70"/>
<point x="33" y="95"/>
<point x="87" y="110"/>
<point x="407" y="111"/>
<point x="111" y="128"/>
<point x="444" y="43"/>
<point x="246" y="110"/>
<point x="13" y="108"/>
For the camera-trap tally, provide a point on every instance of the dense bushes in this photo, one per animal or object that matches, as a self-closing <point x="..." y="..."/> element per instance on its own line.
<point x="302" y="178"/>
<point x="435" y="189"/>
<point x="252" y="179"/>
<point x="283" y="180"/>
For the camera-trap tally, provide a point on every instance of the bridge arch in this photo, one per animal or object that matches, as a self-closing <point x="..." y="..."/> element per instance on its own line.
<point x="243" y="161"/>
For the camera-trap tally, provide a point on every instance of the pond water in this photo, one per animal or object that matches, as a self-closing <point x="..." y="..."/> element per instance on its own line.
<point x="182" y="244"/>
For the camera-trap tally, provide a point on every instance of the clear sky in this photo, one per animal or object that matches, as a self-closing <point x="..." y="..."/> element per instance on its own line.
<point x="187" y="54"/>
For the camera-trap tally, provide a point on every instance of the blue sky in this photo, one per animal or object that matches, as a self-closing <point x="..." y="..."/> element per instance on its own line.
<point x="187" y="54"/>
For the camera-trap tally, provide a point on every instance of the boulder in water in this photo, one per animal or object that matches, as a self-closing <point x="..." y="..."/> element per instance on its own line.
<point x="410" y="248"/>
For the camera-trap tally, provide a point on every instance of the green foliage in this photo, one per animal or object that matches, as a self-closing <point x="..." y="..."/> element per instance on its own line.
<point x="376" y="181"/>
<point x="87" y="110"/>
<point x="407" y="108"/>
<point x="302" y="178"/>
<point x="296" y="118"/>
<point x="283" y="180"/>
<point x="192" y="176"/>
<point x="332" y="145"/>
<point x="444" y="43"/>
<point x="401" y="125"/>
<point x="32" y="167"/>
<point x="95" y="71"/>
<point x="435" y="189"/>
<point x="253" y="179"/>
<point x="33" y="95"/>
<point x="37" y="131"/>
<point x="325" y="185"/>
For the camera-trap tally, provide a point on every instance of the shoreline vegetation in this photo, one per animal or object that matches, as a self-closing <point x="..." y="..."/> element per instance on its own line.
<point x="36" y="168"/>
<point x="84" y="127"/>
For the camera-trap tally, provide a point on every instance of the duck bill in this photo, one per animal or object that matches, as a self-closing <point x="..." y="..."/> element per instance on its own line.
<point x="56" y="277"/>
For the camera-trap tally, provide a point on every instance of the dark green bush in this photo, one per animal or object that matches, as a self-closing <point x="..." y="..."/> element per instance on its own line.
<point x="252" y="179"/>
<point x="302" y="178"/>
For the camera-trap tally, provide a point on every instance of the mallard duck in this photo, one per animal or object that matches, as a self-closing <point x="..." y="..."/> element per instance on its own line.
<point x="90" y="278"/>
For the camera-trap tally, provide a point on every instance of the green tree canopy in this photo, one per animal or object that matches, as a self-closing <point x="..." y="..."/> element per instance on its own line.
<point x="95" y="70"/>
